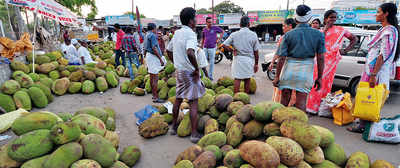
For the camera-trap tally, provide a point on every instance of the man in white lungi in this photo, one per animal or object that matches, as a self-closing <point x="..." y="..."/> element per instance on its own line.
<point x="154" y="60"/>
<point x="188" y="84"/>
<point x="245" y="60"/>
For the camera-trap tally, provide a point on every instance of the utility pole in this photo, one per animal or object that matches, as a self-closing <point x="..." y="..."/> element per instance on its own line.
<point x="287" y="5"/>
<point x="212" y="11"/>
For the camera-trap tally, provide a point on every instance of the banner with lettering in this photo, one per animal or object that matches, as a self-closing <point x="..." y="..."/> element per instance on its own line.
<point x="48" y="8"/>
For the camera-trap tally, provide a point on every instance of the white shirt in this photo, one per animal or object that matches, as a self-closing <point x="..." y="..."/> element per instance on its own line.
<point x="201" y="58"/>
<point x="84" y="52"/>
<point x="244" y="41"/>
<point x="184" y="39"/>
<point x="114" y="36"/>
<point x="71" y="54"/>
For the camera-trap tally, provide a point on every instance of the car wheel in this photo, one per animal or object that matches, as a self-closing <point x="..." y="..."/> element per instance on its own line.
<point x="218" y="58"/>
<point x="271" y="74"/>
<point x="353" y="86"/>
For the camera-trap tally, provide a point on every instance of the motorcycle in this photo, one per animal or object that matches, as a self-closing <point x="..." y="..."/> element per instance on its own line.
<point x="221" y="53"/>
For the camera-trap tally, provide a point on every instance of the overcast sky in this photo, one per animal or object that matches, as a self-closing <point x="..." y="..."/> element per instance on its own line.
<point x="165" y="9"/>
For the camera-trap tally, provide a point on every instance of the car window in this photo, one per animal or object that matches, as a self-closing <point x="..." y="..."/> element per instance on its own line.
<point x="360" y="48"/>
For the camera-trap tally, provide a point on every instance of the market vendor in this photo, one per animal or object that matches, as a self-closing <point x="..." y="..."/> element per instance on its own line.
<point x="70" y="52"/>
<point x="83" y="53"/>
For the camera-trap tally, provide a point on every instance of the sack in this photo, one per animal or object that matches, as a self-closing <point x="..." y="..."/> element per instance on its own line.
<point x="342" y="111"/>
<point x="387" y="131"/>
<point x="330" y="101"/>
<point x="369" y="101"/>
<point x="145" y="113"/>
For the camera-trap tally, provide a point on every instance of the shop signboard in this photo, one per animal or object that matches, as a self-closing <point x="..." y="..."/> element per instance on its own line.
<point x="271" y="16"/>
<point x="201" y="18"/>
<point x="229" y="18"/>
<point x="356" y="17"/>
<point x="122" y="20"/>
<point x="176" y="19"/>
<point x="253" y="17"/>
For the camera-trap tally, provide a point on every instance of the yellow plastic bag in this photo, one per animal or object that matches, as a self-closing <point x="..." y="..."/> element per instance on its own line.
<point x="342" y="112"/>
<point x="369" y="101"/>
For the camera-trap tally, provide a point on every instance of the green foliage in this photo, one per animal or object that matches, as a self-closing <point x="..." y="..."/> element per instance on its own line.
<point x="227" y="7"/>
<point x="76" y="6"/>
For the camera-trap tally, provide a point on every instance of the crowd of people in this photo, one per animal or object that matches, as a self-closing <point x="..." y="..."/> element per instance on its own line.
<point x="307" y="57"/>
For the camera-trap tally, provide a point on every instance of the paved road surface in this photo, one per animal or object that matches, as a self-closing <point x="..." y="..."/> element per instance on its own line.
<point x="161" y="152"/>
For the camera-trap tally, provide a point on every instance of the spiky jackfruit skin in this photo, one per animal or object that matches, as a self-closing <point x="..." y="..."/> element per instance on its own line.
<point x="101" y="84"/>
<point x="30" y="145"/>
<point x="130" y="155"/>
<point x="60" y="86"/>
<point x="88" y="87"/>
<point x="38" y="97"/>
<point x="33" y="121"/>
<point x="99" y="149"/>
<point x="64" y="156"/>
<point x="75" y="87"/>
<point x="10" y="87"/>
<point x="22" y="100"/>
<point x="153" y="126"/>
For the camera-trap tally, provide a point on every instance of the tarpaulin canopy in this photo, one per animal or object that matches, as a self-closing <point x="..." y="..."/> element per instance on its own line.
<point x="48" y="8"/>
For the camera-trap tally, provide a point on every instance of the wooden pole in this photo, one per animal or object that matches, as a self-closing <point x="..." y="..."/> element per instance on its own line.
<point x="212" y="11"/>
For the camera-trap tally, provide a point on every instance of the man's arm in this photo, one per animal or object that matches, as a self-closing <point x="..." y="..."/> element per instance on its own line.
<point x="228" y="42"/>
<point x="170" y="53"/>
<point x="192" y="58"/>
<point x="256" y="57"/>
<point x="202" y="39"/>
<point x="221" y="34"/>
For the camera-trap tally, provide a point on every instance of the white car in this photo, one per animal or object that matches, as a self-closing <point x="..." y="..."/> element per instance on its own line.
<point x="351" y="66"/>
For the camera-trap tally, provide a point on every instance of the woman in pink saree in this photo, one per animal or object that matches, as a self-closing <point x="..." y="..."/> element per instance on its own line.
<point x="334" y="37"/>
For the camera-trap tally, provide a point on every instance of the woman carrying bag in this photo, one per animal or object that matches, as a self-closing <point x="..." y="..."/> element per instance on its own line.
<point x="382" y="55"/>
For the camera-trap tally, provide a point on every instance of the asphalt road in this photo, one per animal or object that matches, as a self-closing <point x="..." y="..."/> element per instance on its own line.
<point x="161" y="152"/>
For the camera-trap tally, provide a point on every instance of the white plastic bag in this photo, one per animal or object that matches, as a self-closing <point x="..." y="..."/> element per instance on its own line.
<point x="387" y="130"/>
<point x="330" y="101"/>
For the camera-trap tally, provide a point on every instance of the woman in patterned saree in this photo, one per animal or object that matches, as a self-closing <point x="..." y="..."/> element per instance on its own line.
<point x="382" y="55"/>
<point x="334" y="37"/>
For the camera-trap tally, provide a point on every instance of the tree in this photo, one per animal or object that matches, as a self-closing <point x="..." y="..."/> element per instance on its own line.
<point x="227" y="7"/>
<point x="76" y="6"/>
<point x="203" y="11"/>
<point x="134" y="14"/>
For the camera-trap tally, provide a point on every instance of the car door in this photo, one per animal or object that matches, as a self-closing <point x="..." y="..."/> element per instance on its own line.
<point x="352" y="64"/>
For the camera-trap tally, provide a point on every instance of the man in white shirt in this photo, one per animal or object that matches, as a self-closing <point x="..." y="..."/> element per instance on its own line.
<point x="202" y="61"/>
<point x="188" y="84"/>
<point x="70" y="53"/>
<point x="84" y="54"/>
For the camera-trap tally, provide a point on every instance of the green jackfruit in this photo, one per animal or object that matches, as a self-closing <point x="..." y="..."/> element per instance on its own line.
<point x="76" y="76"/>
<point x="110" y="124"/>
<point x="216" y="150"/>
<point x="139" y="91"/>
<point x="213" y="112"/>
<point x="30" y="145"/>
<point x="243" y="97"/>
<point x="205" y="103"/>
<point x="290" y="152"/>
<point x="234" y="107"/>
<point x="24" y="80"/>
<point x="22" y="100"/>
<point x="19" y="66"/>
<point x="190" y="153"/>
<point x="142" y="70"/>
<point x="10" y="87"/>
<point x="89" y="75"/>
<point x="222" y="102"/>
<point x="54" y="75"/>
<point x="217" y="138"/>
<point x="172" y="92"/>
<point x="17" y="74"/>
<point x="202" y="122"/>
<point x="169" y="68"/>
<point x="314" y="156"/>
<point x="168" y="118"/>
<point x="244" y="114"/>
<point x="253" y="86"/>
<point x="289" y="113"/>
<point x="184" y="164"/>
<point x="161" y="84"/>
<point x="223" y="118"/>
<point x="327" y="136"/>
<point x="35" y="163"/>
<point x="74" y="87"/>
<point x="335" y="153"/>
<point x="110" y="111"/>
<point x="185" y="127"/>
<point x="326" y="164"/>
<point x="130" y="155"/>
<point x="65" y="73"/>
<point x="42" y="59"/>
<point x="89" y="124"/>
<point x="211" y="126"/>
<point x="124" y="86"/>
<point x="226" y="91"/>
<point x="63" y="133"/>
<point x="46" y="81"/>
<point x="163" y="93"/>
<point x="171" y="82"/>
<point x="263" y="111"/>
<point x="207" y="82"/>
<point x="259" y="154"/>
<point x="235" y="135"/>
<point x="99" y="149"/>
<point x="111" y="79"/>
<point x="65" y="116"/>
<point x="381" y="164"/>
<point x="112" y="137"/>
<point x="225" y="149"/>
<point x="60" y="86"/>
<point x="46" y="90"/>
<point x="64" y="156"/>
<point x="33" y="121"/>
<point x="304" y="134"/>
<point x="120" y="70"/>
<point x="88" y="87"/>
<point x="272" y="129"/>
<point x="233" y="159"/>
<point x="206" y="159"/>
<point x="47" y="68"/>
<point x="5" y="160"/>
<point x="225" y="81"/>
<point x="35" y="77"/>
<point x="253" y="129"/>
<point x="153" y="127"/>
<point x="211" y="92"/>
<point x="86" y="163"/>
<point x="101" y="84"/>
<point x="119" y="164"/>
<point x="38" y="97"/>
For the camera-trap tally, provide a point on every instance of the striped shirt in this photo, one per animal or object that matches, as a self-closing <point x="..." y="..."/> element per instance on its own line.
<point x="129" y="43"/>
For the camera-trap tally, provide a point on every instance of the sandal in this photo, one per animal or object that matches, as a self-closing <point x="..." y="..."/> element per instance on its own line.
<point x="158" y="101"/>
<point x="356" y="128"/>
<point x="195" y="138"/>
